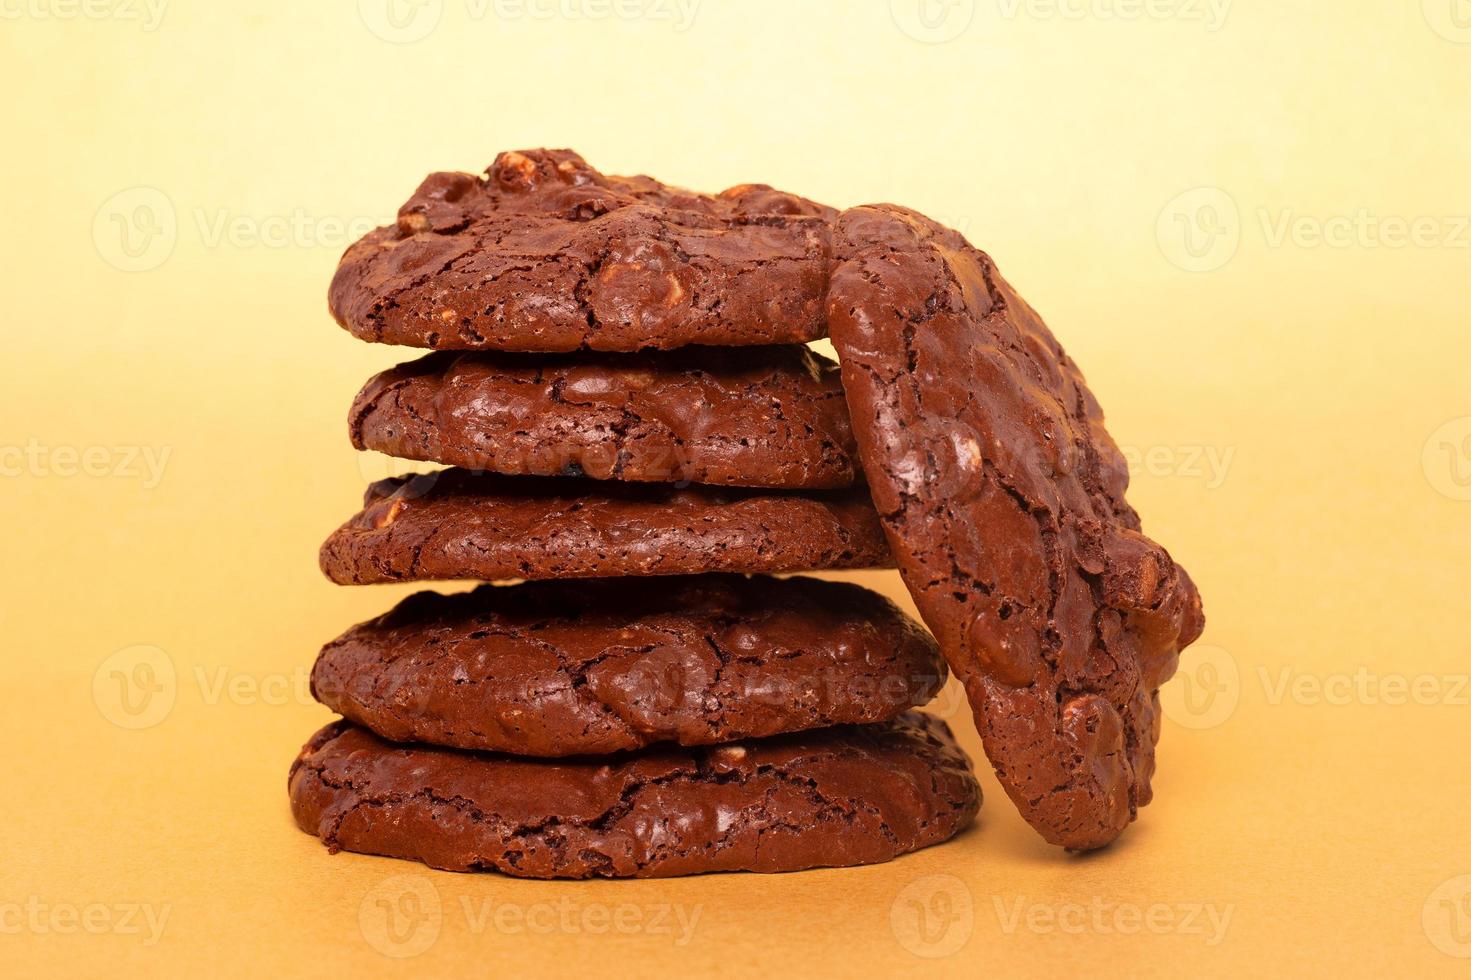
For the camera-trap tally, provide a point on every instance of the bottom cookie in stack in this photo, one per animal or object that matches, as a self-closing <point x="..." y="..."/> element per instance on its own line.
<point x="858" y="794"/>
<point x="768" y="722"/>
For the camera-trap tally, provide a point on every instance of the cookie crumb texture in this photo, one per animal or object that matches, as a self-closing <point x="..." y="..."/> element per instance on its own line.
<point x="842" y="796"/>
<point x="583" y="667"/>
<point x="544" y="253"/>
<point x="758" y="416"/>
<point x="454" y="524"/>
<point x="1003" y="497"/>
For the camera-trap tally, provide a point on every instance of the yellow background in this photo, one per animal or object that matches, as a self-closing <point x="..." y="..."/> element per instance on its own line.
<point x="1154" y="179"/>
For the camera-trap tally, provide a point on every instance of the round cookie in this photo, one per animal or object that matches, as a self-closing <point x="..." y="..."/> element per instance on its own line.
<point x="1003" y="499"/>
<point x="544" y="253"/>
<point x="596" y="666"/>
<point x="755" y="417"/>
<point x="454" y="524"/>
<point x="841" y="796"/>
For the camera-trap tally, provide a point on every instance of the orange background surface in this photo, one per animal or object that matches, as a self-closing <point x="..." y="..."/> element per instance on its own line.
<point x="1247" y="222"/>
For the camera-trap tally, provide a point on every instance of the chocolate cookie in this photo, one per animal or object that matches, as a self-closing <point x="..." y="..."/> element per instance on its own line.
<point x="455" y="524"/>
<point x="841" y="796"/>
<point x="755" y="417"/>
<point x="568" y="668"/>
<point x="1003" y="499"/>
<point x="544" y="253"/>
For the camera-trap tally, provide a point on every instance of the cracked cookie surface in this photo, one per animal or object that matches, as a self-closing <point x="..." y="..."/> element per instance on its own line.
<point x="837" y="797"/>
<point x="544" y="253"/>
<point x="456" y="525"/>
<point x="758" y="416"/>
<point x="596" y="666"/>
<point x="1003" y="499"/>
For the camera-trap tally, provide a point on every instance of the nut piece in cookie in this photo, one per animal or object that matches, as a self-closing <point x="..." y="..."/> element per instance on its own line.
<point x="1003" y="500"/>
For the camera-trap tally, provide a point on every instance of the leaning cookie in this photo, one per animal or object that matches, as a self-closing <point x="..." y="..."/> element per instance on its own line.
<point x="595" y="666"/>
<point x="544" y="253"/>
<point x="1003" y="499"/>
<point x="838" y="797"/>
<point x="754" y="417"/>
<point x="457" y="525"/>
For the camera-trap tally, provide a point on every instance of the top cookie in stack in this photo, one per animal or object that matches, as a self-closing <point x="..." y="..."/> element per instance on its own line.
<point x="621" y="390"/>
<point x="545" y="254"/>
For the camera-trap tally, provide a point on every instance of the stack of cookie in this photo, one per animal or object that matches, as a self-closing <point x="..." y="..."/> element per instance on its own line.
<point x="638" y="437"/>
